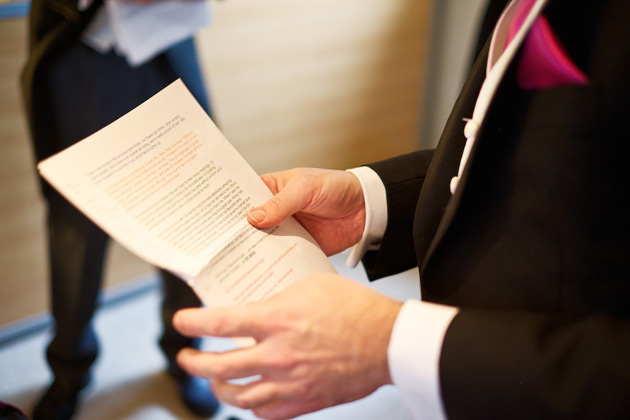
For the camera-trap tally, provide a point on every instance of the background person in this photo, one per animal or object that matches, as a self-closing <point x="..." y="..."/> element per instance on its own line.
<point x="75" y="82"/>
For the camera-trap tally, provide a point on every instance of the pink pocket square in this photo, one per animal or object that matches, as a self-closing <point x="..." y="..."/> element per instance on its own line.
<point x="544" y="62"/>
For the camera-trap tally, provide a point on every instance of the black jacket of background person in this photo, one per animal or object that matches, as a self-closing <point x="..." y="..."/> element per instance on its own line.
<point x="53" y="26"/>
<point x="534" y="245"/>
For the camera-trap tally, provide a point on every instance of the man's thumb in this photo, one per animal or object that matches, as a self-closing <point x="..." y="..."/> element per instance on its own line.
<point x="271" y="213"/>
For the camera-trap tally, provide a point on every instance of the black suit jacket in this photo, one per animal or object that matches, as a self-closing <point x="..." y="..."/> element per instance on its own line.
<point x="534" y="246"/>
<point x="53" y="26"/>
<point x="56" y="26"/>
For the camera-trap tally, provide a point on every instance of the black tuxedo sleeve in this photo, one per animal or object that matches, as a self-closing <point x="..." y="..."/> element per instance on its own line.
<point x="403" y="177"/>
<point x="531" y="365"/>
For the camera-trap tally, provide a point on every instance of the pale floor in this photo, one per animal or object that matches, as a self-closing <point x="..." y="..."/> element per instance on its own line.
<point x="129" y="382"/>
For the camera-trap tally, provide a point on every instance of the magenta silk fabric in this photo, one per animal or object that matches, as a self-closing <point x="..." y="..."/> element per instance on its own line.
<point x="544" y="62"/>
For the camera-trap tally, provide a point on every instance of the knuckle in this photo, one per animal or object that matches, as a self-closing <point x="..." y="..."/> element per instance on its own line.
<point x="275" y="205"/>
<point x="301" y="388"/>
<point x="219" y="372"/>
<point x="278" y="360"/>
<point x="282" y="359"/>
<point x="221" y="326"/>
<point x="244" y="402"/>
<point x="250" y="400"/>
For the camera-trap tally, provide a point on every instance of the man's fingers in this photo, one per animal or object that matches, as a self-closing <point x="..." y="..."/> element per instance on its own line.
<point x="248" y="396"/>
<point x="241" y="321"/>
<point x="235" y="364"/>
<point x="267" y="399"/>
<point x="287" y="409"/>
<point x="256" y="393"/>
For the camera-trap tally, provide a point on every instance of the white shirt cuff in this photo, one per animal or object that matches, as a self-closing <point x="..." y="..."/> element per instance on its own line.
<point x="375" y="199"/>
<point x="414" y="356"/>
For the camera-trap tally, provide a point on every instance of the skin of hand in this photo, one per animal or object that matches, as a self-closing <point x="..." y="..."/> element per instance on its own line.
<point x="328" y="203"/>
<point x="148" y="1"/>
<point x="321" y="342"/>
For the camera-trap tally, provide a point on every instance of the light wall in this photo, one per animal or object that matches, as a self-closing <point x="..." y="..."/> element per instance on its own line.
<point x="317" y="82"/>
<point x="455" y="24"/>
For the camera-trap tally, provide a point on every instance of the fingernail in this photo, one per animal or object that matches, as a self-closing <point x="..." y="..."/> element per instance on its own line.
<point x="257" y="215"/>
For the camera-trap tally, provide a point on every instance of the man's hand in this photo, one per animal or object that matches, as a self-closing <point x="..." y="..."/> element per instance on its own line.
<point x="150" y="1"/>
<point x="329" y="204"/>
<point x="320" y="342"/>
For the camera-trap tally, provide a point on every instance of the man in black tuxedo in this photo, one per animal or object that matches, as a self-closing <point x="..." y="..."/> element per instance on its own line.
<point x="518" y="223"/>
<point x="71" y="91"/>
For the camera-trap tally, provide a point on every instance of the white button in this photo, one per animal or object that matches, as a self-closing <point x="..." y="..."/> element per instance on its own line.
<point x="454" y="183"/>
<point x="471" y="129"/>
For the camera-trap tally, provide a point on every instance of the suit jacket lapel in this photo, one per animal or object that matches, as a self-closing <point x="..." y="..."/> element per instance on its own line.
<point x="435" y="196"/>
<point x="453" y="141"/>
<point x="444" y="166"/>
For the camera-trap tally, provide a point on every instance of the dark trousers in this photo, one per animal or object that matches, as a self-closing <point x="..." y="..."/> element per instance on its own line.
<point x="90" y="90"/>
